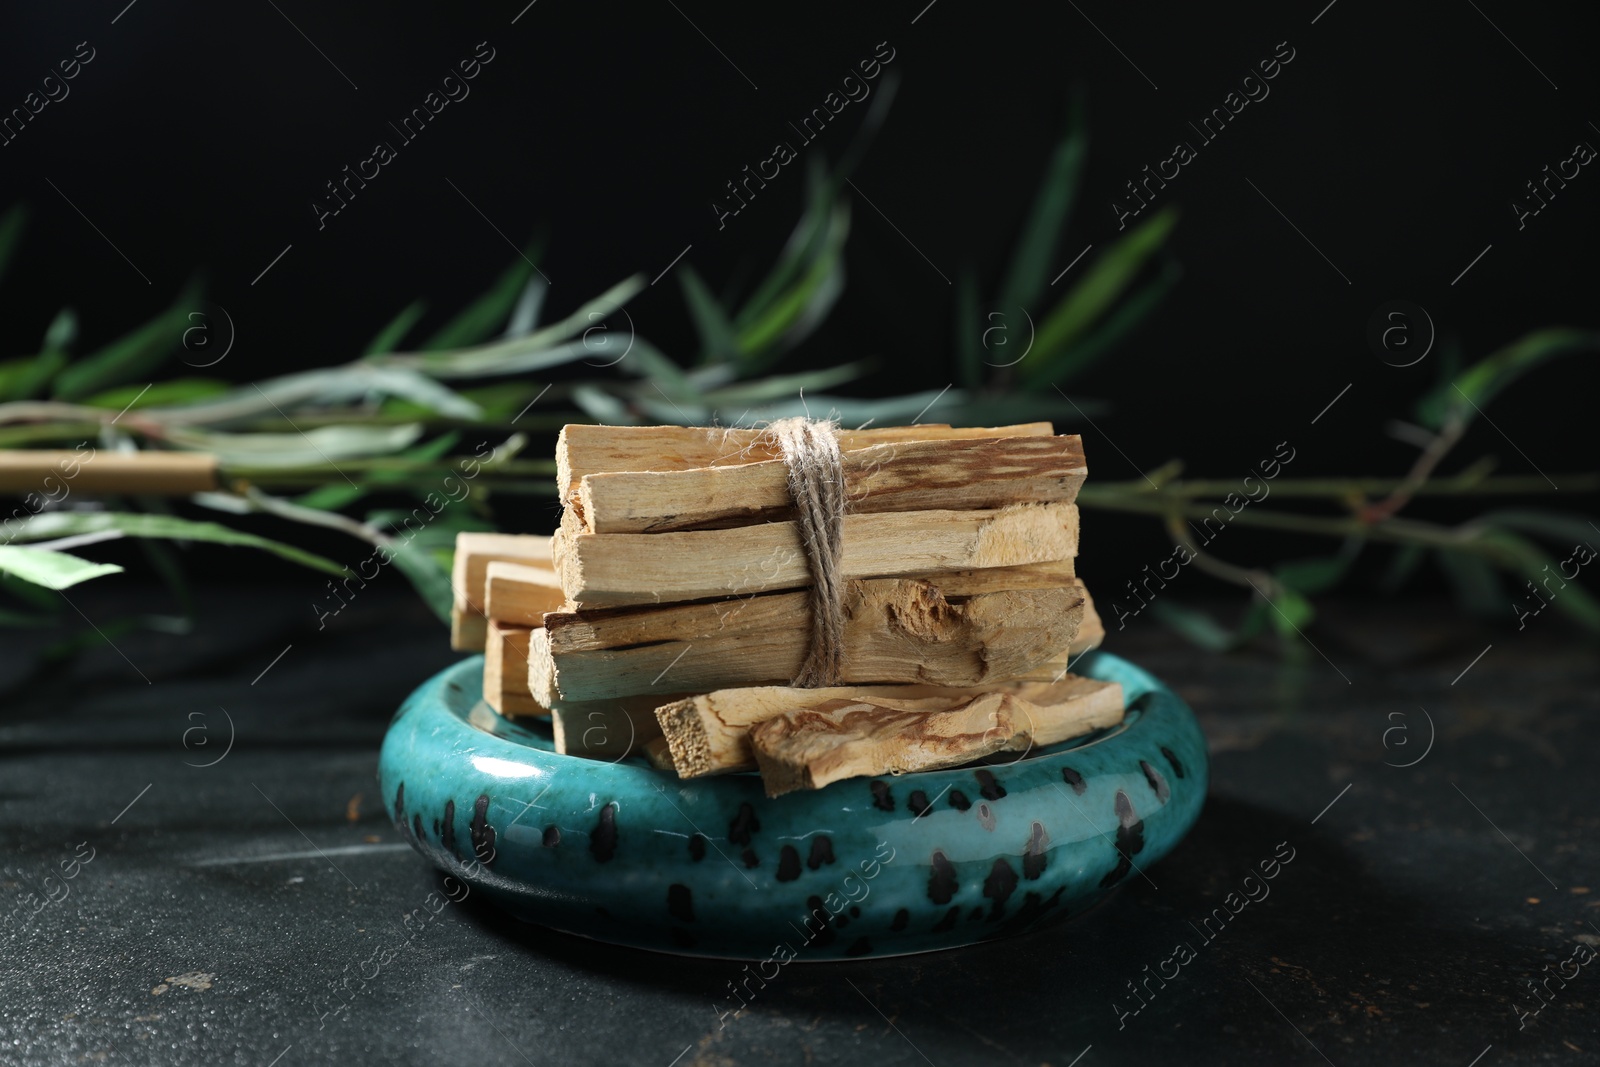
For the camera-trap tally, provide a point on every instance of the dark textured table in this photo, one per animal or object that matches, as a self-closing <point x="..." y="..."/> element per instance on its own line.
<point x="191" y="914"/>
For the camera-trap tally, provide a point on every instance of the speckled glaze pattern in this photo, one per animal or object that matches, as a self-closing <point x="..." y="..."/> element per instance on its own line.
<point x="627" y="854"/>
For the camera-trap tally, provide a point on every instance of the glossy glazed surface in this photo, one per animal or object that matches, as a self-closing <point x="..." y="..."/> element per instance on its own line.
<point x="624" y="853"/>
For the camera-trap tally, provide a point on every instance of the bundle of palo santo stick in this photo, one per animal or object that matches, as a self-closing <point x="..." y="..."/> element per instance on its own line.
<point x="814" y="603"/>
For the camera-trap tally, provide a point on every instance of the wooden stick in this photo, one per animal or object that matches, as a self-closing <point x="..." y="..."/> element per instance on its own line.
<point x="469" y="631"/>
<point x="604" y="729"/>
<point x="1091" y="634"/>
<point x="896" y="630"/>
<point x="505" y="670"/>
<point x="582" y="450"/>
<point x="809" y="747"/>
<point x="102" y="471"/>
<point x="587" y="631"/>
<point x="601" y="570"/>
<point x="469" y="576"/>
<point x="521" y="593"/>
<point x="475" y="551"/>
<point x="709" y="734"/>
<point x="899" y="476"/>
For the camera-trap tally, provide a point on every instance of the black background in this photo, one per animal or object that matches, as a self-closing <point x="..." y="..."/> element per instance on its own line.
<point x="1396" y="140"/>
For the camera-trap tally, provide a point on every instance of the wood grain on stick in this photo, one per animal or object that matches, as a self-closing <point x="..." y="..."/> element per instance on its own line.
<point x="582" y="450"/>
<point x="505" y="670"/>
<point x="710" y="733"/>
<point x="853" y="736"/>
<point x="469" y="576"/>
<point x="520" y="592"/>
<point x="600" y="570"/>
<point x="948" y="630"/>
<point x="897" y="476"/>
<point x="475" y="551"/>
<point x="469" y="631"/>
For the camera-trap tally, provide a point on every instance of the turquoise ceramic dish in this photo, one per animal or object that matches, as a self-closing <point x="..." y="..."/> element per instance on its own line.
<point x="624" y="853"/>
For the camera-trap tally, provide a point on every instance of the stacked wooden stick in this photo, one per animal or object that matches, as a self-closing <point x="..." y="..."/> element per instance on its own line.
<point x="675" y="604"/>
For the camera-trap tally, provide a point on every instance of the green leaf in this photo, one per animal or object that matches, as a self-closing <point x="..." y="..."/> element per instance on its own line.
<point x="437" y="533"/>
<point x="1289" y="612"/>
<point x="1313" y="576"/>
<point x="12" y="224"/>
<point x="1126" y="317"/>
<point x="388" y="339"/>
<point x="354" y="382"/>
<point x="1464" y="396"/>
<point x="1554" y="525"/>
<point x="519" y="355"/>
<point x="525" y="315"/>
<point x="323" y="446"/>
<point x="602" y="406"/>
<point x="782" y="385"/>
<point x="160" y="394"/>
<point x="1195" y="625"/>
<point x="1529" y="561"/>
<point x="54" y="524"/>
<point x="132" y="356"/>
<point x="805" y="243"/>
<point x="62" y="331"/>
<point x="484" y="316"/>
<point x="794" y="315"/>
<point x="1094" y="295"/>
<point x="49" y="568"/>
<point x="718" y="343"/>
<point x="24" y="378"/>
<point x="1030" y="266"/>
<point x="430" y="579"/>
<point x="503" y="401"/>
<point x="646" y="361"/>
<point x="795" y="312"/>
<point x="338" y="494"/>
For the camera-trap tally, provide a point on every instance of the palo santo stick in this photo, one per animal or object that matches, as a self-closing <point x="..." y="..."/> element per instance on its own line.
<point x="605" y="729"/>
<point x="469" y="631"/>
<point x="520" y="593"/>
<point x="587" y="631"/>
<point x="896" y="630"/>
<point x="505" y="670"/>
<point x="469" y="574"/>
<point x="1091" y="634"/>
<point x="899" y="476"/>
<point x="807" y="748"/>
<point x="583" y="450"/>
<point x="601" y="570"/>
<point x="153" y="473"/>
<point x="709" y="734"/>
<point x="474" y="553"/>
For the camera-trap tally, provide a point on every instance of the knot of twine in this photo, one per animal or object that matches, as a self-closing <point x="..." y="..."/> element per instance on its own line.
<point x="810" y="450"/>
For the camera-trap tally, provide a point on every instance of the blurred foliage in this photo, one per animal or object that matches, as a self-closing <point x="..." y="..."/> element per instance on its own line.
<point x="312" y="447"/>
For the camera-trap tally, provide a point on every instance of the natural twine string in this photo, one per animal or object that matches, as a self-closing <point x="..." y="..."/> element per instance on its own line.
<point x="810" y="450"/>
